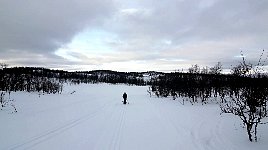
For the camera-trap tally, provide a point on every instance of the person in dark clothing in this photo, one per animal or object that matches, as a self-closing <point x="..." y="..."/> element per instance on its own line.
<point x="125" y="98"/>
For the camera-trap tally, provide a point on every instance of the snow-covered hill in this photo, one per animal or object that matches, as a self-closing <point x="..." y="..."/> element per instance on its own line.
<point x="93" y="117"/>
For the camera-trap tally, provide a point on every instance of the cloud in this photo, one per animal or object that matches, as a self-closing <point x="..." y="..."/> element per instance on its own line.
<point x="168" y="34"/>
<point x="43" y="26"/>
<point x="24" y="58"/>
<point x="199" y="31"/>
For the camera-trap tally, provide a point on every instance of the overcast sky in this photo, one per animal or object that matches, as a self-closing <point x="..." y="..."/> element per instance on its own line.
<point x="130" y="35"/>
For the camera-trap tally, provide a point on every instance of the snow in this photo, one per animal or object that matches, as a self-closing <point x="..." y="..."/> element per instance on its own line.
<point x="93" y="117"/>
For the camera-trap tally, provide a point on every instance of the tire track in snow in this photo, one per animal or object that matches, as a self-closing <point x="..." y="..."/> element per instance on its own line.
<point x="55" y="131"/>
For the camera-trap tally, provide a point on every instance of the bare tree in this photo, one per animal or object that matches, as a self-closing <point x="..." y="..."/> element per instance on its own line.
<point x="3" y="65"/>
<point x="259" y="68"/>
<point x="205" y="70"/>
<point x="2" y="99"/>
<point x="250" y="105"/>
<point x="194" y="69"/>
<point x="243" y="68"/>
<point x="216" y="69"/>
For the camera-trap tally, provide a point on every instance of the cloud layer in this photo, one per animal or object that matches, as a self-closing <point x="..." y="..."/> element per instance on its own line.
<point x="118" y="34"/>
<point x="45" y="25"/>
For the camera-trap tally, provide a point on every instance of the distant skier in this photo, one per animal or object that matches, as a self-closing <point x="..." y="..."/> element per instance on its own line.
<point x="125" y="98"/>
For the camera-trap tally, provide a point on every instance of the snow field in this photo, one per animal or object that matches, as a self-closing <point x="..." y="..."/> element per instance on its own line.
<point x="93" y="117"/>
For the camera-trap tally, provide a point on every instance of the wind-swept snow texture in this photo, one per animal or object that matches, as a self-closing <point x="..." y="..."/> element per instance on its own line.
<point x="92" y="117"/>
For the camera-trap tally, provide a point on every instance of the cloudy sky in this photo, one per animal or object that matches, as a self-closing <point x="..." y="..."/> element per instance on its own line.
<point x="126" y="35"/>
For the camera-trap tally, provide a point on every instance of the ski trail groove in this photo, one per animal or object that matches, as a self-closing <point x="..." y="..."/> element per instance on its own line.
<point x="53" y="132"/>
<point x="118" y="133"/>
<point x="111" y="136"/>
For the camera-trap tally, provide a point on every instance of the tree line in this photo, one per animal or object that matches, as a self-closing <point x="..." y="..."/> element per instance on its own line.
<point x="30" y="80"/>
<point x="50" y="81"/>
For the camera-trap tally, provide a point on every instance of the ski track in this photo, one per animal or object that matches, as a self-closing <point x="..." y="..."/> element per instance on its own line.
<point x="111" y="137"/>
<point x="28" y="144"/>
<point x="118" y="131"/>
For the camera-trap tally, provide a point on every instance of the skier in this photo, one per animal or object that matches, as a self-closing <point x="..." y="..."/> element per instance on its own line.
<point x="125" y="98"/>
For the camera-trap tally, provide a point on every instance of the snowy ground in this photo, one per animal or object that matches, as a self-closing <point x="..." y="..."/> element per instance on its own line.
<point x="94" y="118"/>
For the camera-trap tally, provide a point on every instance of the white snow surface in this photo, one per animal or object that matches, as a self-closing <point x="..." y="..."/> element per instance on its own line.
<point x="94" y="118"/>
